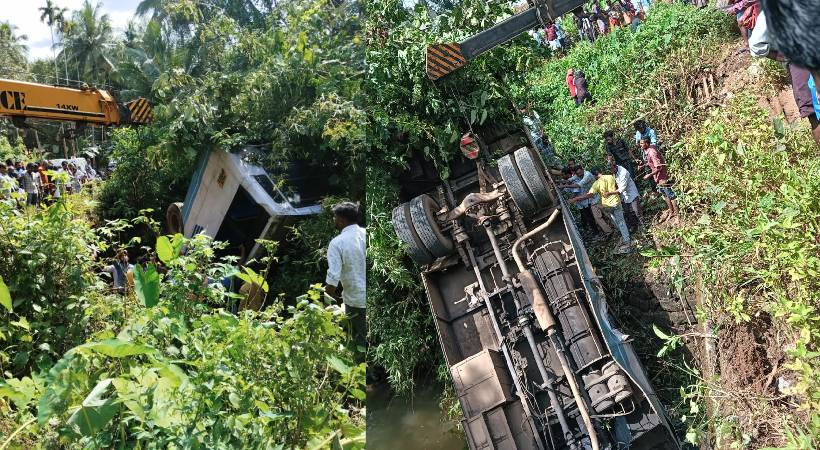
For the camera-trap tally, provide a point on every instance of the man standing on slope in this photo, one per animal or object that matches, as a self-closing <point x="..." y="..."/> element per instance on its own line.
<point x="346" y="265"/>
<point x="618" y="149"/>
<point x="630" y="197"/>
<point x="607" y="188"/>
<point x="760" y="45"/>
<point x="589" y="207"/>
<point x="659" y="173"/>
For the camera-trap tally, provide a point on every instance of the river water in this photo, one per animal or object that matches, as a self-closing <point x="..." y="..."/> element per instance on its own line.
<point x="395" y="423"/>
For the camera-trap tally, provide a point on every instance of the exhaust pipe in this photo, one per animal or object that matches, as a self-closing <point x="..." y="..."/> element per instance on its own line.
<point x="546" y="320"/>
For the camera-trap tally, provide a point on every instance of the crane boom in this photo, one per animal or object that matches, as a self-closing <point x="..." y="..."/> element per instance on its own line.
<point x="93" y="106"/>
<point x="443" y="59"/>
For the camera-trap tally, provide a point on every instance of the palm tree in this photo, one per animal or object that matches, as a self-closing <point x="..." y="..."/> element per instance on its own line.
<point x="13" y="52"/>
<point x="89" y="40"/>
<point x="49" y="15"/>
<point x="64" y="25"/>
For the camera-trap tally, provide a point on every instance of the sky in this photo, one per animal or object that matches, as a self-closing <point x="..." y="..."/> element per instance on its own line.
<point x="25" y="15"/>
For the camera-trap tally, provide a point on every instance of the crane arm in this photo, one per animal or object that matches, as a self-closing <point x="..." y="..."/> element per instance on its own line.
<point x="22" y="99"/>
<point x="443" y="59"/>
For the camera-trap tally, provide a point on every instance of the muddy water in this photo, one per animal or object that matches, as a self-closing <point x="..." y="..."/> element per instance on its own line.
<point x="394" y="423"/>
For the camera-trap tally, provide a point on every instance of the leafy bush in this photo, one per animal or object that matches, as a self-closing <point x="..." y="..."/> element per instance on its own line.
<point x="45" y="260"/>
<point x="751" y="234"/>
<point x="8" y="151"/>
<point x="177" y="373"/>
<point x="144" y="177"/>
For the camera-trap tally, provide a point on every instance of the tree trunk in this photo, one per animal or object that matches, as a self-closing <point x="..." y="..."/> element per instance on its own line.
<point x="56" y="66"/>
<point x="65" y="146"/>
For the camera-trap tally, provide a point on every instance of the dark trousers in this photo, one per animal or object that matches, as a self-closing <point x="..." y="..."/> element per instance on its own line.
<point x="800" y="87"/>
<point x="358" y="325"/>
<point x="587" y="219"/>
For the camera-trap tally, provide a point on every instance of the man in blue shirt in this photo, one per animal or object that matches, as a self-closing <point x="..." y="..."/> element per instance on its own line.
<point x="641" y="129"/>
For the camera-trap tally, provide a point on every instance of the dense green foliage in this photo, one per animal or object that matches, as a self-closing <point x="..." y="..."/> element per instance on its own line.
<point x="45" y="257"/>
<point x="165" y="367"/>
<point x="167" y="371"/>
<point x="144" y="179"/>
<point x="631" y="75"/>
<point x="751" y="238"/>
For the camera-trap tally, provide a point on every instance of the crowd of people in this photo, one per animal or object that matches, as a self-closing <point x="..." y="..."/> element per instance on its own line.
<point x="43" y="182"/>
<point x="610" y="189"/>
<point x="751" y="20"/>
<point x="593" y="23"/>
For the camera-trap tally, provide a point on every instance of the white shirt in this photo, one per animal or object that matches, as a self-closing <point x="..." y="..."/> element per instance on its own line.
<point x="626" y="185"/>
<point x="119" y="277"/>
<point x="346" y="264"/>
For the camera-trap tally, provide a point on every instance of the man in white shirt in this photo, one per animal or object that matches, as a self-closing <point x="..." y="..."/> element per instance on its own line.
<point x="122" y="272"/>
<point x="630" y="196"/>
<point x="30" y="182"/>
<point x="347" y="266"/>
<point x="8" y="185"/>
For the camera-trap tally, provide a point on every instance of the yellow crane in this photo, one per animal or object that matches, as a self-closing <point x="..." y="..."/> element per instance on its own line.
<point x="21" y="100"/>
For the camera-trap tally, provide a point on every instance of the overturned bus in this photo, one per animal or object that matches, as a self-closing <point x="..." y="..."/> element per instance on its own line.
<point x="520" y="314"/>
<point x="234" y="200"/>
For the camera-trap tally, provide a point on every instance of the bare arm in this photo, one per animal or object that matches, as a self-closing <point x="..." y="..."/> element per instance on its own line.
<point x="580" y="197"/>
<point x="332" y="291"/>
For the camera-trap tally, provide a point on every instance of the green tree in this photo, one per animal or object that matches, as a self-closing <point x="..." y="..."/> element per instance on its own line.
<point x="13" y="51"/>
<point x="49" y="15"/>
<point x="90" y="40"/>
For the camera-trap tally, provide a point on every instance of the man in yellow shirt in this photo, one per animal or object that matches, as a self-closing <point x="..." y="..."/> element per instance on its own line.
<point x="606" y="186"/>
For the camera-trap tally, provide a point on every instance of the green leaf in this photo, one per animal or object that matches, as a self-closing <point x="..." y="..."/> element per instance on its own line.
<point x="5" y="295"/>
<point x="660" y="333"/>
<point x="358" y="394"/>
<point x="251" y="277"/>
<point x="22" y="323"/>
<point x="21" y="391"/>
<point x="692" y="437"/>
<point x="165" y="251"/>
<point x="146" y="285"/>
<point x="117" y="348"/>
<point x="235" y="400"/>
<point x="338" y="364"/>
<point x="95" y="412"/>
<point x="176" y="243"/>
